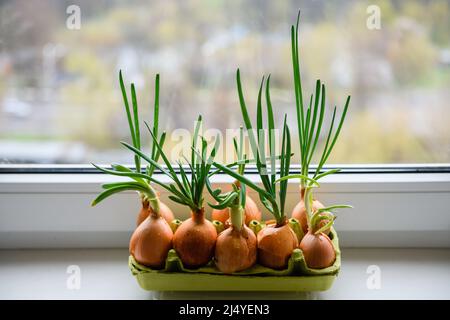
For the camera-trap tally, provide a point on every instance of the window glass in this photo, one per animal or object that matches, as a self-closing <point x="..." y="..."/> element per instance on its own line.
<point x="60" y="100"/>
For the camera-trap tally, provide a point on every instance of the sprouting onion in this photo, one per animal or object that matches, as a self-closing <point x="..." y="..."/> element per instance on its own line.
<point x="310" y="127"/>
<point x="235" y="198"/>
<point x="276" y="241"/>
<point x="236" y="246"/>
<point x="140" y="183"/>
<point x="195" y="238"/>
<point x="251" y="210"/>
<point x="316" y="246"/>
<point x="274" y="201"/>
<point x="152" y="239"/>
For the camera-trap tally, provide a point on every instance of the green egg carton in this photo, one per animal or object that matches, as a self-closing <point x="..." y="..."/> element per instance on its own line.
<point x="297" y="277"/>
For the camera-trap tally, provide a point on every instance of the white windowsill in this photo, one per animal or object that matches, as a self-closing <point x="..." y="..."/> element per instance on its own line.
<point x="52" y="211"/>
<point x="42" y="274"/>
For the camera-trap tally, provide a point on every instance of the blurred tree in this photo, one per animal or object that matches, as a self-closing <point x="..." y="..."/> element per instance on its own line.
<point x="382" y="139"/>
<point x="410" y="52"/>
<point x="197" y="45"/>
<point x="89" y="102"/>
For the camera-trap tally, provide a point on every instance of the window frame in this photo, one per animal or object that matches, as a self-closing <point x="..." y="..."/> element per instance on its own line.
<point x="345" y="168"/>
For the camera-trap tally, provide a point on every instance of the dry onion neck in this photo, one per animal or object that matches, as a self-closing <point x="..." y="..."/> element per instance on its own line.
<point x="153" y="201"/>
<point x="237" y="216"/>
<point x="281" y="222"/>
<point x="198" y="215"/>
<point x="308" y="205"/>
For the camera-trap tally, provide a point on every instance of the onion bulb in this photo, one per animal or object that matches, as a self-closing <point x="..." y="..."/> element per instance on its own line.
<point x="151" y="241"/>
<point x="236" y="246"/>
<point x="317" y="247"/>
<point x="318" y="250"/>
<point x="275" y="245"/>
<point x="195" y="239"/>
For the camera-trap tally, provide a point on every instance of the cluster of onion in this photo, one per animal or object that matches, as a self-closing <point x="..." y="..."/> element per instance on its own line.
<point x="236" y="247"/>
<point x="153" y="236"/>
<point x="310" y="127"/>
<point x="276" y="241"/>
<point x="196" y="239"/>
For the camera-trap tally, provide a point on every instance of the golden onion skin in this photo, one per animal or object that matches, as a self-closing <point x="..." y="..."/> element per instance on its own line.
<point x="275" y="246"/>
<point x="195" y="240"/>
<point x="151" y="242"/>
<point x="318" y="250"/>
<point x="235" y="250"/>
